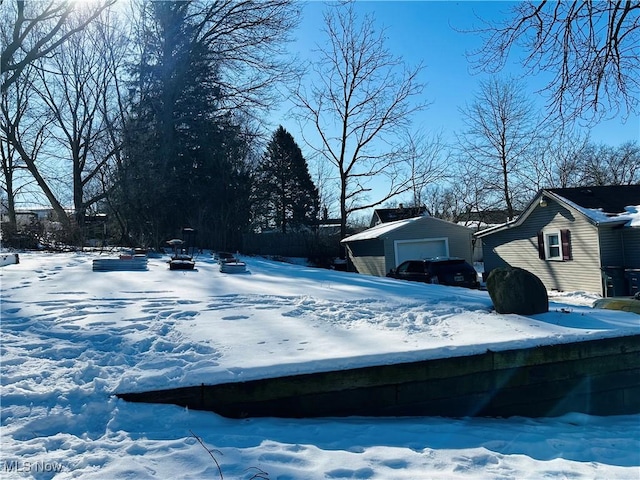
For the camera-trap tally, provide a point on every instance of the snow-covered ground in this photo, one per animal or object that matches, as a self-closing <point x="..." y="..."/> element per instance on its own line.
<point x="72" y="337"/>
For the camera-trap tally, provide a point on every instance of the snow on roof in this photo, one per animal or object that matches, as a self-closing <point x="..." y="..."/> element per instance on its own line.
<point x="379" y="230"/>
<point x="610" y="199"/>
<point x="631" y="215"/>
<point x="385" y="228"/>
<point x="633" y="212"/>
<point x="478" y="225"/>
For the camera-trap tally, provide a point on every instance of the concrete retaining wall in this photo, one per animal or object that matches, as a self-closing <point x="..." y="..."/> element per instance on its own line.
<point x="599" y="377"/>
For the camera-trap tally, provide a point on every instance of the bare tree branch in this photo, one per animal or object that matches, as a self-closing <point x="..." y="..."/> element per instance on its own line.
<point x="501" y="129"/>
<point x="591" y="49"/>
<point x="33" y="30"/>
<point x="362" y="98"/>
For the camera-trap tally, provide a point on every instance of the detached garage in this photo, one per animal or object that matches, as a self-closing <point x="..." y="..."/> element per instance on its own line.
<point x="379" y="249"/>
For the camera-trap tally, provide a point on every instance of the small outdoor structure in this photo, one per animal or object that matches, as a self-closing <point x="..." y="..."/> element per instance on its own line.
<point x="180" y="260"/>
<point x="377" y="250"/>
<point x="124" y="263"/>
<point x="234" y="266"/>
<point x="182" y="257"/>
<point x="229" y="263"/>
<point x="573" y="239"/>
<point x="9" y="259"/>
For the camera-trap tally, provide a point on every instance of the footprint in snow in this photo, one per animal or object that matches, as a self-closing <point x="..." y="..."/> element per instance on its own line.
<point x="348" y="473"/>
<point x="235" y="317"/>
<point x="396" y="464"/>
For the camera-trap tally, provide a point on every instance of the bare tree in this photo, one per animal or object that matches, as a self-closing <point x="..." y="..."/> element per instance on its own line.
<point x="445" y="201"/>
<point x="248" y="39"/>
<point x="323" y="178"/>
<point x="555" y="162"/>
<point x="246" y="42"/>
<point x="606" y="165"/>
<point x="501" y="128"/>
<point x="470" y="194"/>
<point x="74" y="86"/>
<point x="33" y="30"/>
<point x="12" y="106"/>
<point x="591" y="49"/>
<point x="362" y="98"/>
<point x="24" y="132"/>
<point x="427" y="163"/>
<point x="628" y="164"/>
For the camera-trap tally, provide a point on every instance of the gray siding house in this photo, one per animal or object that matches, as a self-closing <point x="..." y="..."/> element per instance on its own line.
<point x="377" y="250"/>
<point x="574" y="239"/>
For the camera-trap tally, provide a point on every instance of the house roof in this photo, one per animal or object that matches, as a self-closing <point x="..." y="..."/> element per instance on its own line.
<point x="386" y="215"/>
<point x="492" y="217"/>
<point x="615" y="204"/>
<point x="611" y="200"/>
<point x="383" y="229"/>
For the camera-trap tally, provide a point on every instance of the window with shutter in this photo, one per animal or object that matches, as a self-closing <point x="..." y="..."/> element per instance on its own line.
<point x="555" y="245"/>
<point x="551" y="246"/>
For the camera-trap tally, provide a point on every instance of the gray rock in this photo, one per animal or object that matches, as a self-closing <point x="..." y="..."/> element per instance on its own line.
<point x="515" y="290"/>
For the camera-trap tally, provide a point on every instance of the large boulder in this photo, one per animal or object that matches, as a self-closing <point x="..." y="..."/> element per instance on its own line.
<point x="514" y="290"/>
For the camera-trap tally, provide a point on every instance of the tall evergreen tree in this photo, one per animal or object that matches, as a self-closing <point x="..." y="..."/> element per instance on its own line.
<point x="285" y="196"/>
<point x="185" y="158"/>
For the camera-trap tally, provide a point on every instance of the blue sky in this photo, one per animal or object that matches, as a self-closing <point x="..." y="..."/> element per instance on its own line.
<point x="425" y="32"/>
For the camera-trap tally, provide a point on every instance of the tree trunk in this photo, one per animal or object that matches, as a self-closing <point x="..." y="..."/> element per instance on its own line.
<point x="61" y="215"/>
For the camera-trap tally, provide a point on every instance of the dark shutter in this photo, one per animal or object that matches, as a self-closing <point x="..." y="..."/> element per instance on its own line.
<point x="565" y="237"/>
<point x="541" y="253"/>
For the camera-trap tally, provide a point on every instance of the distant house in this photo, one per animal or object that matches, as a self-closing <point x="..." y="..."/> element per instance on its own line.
<point x="480" y="220"/>
<point x="377" y="250"/>
<point x="28" y="216"/>
<point x="386" y="215"/>
<point x="574" y="239"/>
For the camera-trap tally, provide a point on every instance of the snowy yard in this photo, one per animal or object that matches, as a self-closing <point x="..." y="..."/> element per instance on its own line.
<point x="72" y="337"/>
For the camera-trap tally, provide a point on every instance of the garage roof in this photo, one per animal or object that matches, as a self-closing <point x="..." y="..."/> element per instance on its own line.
<point x="380" y="230"/>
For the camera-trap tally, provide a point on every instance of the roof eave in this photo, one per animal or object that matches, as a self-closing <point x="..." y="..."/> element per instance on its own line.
<point x="513" y="223"/>
<point x="532" y="206"/>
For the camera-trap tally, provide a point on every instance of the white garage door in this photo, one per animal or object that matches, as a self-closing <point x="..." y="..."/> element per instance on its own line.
<point x="424" y="248"/>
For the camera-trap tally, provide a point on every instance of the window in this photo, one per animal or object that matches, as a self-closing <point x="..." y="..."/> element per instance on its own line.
<point x="555" y="245"/>
<point x="552" y="242"/>
<point x="416" y="267"/>
<point x="403" y="267"/>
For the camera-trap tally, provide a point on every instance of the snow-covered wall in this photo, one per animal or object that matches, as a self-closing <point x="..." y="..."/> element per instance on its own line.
<point x="598" y="377"/>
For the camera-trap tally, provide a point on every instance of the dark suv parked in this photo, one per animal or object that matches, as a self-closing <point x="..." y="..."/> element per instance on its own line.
<point x="444" y="270"/>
